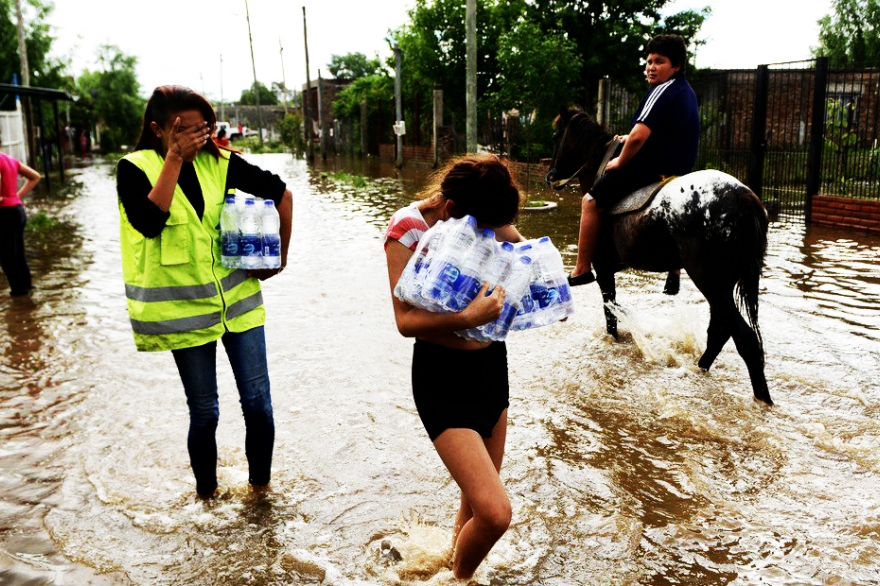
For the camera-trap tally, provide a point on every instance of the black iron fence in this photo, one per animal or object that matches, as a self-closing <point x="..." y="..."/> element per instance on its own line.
<point x="788" y="130"/>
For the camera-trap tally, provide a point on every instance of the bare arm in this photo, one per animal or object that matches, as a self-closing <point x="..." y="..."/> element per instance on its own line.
<point x="415" y="322"/>
<point x="508" y="233"/>
<point x="285" y="213"/>
<point x="32" y="176"/>
<point x="633" y="143"/>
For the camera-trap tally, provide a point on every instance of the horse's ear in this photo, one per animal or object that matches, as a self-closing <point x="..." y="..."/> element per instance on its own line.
<point x="563" y="111"/>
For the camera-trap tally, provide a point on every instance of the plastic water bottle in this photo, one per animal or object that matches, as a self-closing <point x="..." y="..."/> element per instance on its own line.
<point x="251" y="244"/>
<point x="556" y="300"/>
<point x="473" y="268"/>
<point x="229" y="235"/>
<point x="270" y="231"/>
<point x="409" y="285"/>
<point x="516" y="287"/>
<point x="527" y="304"/>
<point x="445" y="268"/>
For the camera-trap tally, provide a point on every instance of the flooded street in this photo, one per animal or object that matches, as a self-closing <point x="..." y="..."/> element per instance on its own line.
<point x="625" y="463"/>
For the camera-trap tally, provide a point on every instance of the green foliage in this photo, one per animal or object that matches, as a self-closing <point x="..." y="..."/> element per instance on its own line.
<point x="373" y="88"/>
<point x="267" y="96"/>
<point x="353" y="66"/>
<point x="851" y="35"/>
<point x="45" y="71"/>
<point x="840" y="133"/>
<point x="610" y="35"/>
<point x="291" y="129"/>
<point x="358" y="181"/>
<point x="111" y="97"/>
<point x="41" y="222"/>
<point x="534" y="55"/>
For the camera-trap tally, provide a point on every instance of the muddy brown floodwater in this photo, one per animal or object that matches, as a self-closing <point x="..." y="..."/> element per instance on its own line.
<point x="625" y="463"/>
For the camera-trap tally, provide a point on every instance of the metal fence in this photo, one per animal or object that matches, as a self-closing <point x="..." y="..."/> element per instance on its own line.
<point x="788" y="130"/>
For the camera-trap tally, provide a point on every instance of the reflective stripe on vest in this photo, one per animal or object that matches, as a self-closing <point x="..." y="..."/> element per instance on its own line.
<point x="178" y="293"/>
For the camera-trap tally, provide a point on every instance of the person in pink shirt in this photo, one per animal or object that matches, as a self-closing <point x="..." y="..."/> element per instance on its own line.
<point x="12" y="221"/>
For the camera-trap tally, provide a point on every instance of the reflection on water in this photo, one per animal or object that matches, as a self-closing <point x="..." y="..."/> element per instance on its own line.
<point x="625" y="463"/>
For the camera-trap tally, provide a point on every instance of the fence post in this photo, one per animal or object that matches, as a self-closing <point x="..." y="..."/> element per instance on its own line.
<point x="817" y="136"/>
<point x="758" y="145"/>
<point x="603" y="107"/>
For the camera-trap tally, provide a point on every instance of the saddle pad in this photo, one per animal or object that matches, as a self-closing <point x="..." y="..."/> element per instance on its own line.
<point x="638" y="199"/>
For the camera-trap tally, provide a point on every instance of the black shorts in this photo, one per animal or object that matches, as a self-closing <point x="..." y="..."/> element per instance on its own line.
<point x="460" y="388"/>
<point x="618" y="183"/>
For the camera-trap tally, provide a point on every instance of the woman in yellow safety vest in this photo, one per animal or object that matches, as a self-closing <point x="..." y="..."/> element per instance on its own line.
<point x="180" y="298"/>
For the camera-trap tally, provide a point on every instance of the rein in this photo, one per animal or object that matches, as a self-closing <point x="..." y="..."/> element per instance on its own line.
<point x="609" y="152"/>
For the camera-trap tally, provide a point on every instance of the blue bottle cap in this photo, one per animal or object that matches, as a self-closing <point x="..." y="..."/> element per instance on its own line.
<point x="507" y="246"/>
<point x="230" y="199"/>
<point x="248" y="202"/>
<point x="269" y="202"/>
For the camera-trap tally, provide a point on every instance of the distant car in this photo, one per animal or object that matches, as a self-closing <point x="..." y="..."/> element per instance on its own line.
<point x="233" y="133"/>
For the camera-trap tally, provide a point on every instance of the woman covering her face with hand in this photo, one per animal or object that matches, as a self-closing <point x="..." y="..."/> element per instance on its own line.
<point x="171" y="190"/>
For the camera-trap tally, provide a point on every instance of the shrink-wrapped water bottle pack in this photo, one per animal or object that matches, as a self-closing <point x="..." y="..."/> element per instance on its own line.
<point x="454" y="258"/>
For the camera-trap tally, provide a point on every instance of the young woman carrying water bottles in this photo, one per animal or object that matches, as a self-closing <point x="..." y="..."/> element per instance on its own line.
<point x="460" y="386"/>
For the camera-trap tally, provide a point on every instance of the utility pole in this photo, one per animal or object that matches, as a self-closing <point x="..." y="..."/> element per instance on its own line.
<point x="25" y="81"/>
<point x="471" y="77"/>
<point x="283" y="78"/>
<point x="254" y="66"/>
<point x="222" y="105"/>
<point x="399" y="128"/>
<point x="305" y="99"/>
<point x="322" y="117"/>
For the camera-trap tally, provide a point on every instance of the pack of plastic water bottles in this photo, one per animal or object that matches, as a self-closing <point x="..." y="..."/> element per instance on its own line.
<point x="250" y="234"/>
<point x="454" y="258"/>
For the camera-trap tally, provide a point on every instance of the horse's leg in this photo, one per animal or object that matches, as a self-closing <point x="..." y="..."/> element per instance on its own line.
<point x="749" y="347"/>
<point x="609" y="298"/>
<point x="717" y="335"/>
<point x="726" y="321"/>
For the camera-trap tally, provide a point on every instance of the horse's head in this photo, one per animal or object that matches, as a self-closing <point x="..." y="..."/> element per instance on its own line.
<point x="578" y="145"/>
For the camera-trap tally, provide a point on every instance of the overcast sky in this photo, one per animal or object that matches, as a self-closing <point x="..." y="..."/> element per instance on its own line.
<point x="204" y="44"/>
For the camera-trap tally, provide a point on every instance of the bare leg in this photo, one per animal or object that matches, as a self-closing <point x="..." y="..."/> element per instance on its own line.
<point x="588" y="235"/>
<point x="484" y="514"/>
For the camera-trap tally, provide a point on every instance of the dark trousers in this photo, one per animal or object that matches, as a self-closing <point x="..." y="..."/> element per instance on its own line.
<point x="12" y="259"/>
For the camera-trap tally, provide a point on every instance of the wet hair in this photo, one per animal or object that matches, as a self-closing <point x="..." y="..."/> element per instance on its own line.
<point x="481" y="186"/>
<point x="672" y="47"/>
<point x="166" y="101"/>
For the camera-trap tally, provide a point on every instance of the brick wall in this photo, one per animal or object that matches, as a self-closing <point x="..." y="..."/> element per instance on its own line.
<point x="843" y="212"/>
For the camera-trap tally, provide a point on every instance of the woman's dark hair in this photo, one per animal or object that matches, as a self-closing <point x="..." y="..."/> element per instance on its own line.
<point x="166" y="101"/>
<point x="671" y="46"/>
<point x="481" y="186"/>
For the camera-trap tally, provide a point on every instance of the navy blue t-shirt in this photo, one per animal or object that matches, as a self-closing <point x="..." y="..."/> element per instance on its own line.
<point x="670" y="111"/>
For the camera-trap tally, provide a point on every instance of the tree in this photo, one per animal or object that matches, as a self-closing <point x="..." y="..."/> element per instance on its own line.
<point x="44" y="71"/>
<point x="536" y="75"/>
<point x="610" y="35"/>
<point x="851" y="36"/>
<point x="522" y="41"/>
<point x="267" y="96"/>
<point x="434" y="52"/>
<point x="353" y="66"/>
<point x="111" y="97"/>
<point x="375" y="90"/>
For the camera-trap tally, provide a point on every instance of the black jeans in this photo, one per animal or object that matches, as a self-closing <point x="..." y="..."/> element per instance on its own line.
<point x="12" y="259"/>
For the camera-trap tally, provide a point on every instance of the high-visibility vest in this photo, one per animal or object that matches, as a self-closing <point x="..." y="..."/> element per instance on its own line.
<point x="178" y="293"/>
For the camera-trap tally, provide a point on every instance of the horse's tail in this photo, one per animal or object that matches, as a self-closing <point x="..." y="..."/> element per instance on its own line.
<point x="751" y="242"/>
